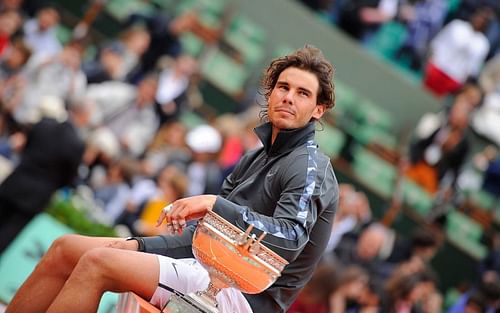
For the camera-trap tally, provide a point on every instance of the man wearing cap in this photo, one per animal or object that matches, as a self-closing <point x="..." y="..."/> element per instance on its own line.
<point x="204" y="172"/>
<point x="286" y="188"/>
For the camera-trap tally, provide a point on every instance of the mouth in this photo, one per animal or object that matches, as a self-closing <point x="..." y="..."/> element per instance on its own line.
<point x="284" y="111"/>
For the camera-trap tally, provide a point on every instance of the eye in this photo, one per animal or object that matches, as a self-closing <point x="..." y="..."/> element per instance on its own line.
<point x="303" y="93"/>
<point x="283" y="87"/>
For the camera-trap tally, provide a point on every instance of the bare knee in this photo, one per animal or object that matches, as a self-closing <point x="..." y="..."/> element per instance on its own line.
<point x="96" y="266"/>
<point x="60" y="257"/>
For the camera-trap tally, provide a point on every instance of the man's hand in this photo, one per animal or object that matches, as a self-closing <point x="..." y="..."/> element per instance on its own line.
<point x="182" y="210"/>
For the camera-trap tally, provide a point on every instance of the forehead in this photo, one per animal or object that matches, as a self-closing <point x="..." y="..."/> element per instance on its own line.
<point x="299" y="78"/>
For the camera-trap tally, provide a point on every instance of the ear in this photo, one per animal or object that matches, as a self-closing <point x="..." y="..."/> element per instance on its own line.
<point x="319" y="110"/>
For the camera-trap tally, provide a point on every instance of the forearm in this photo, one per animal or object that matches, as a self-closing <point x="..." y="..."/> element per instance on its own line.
<point x="175" y="246"/>
<point x="284" y="236"/>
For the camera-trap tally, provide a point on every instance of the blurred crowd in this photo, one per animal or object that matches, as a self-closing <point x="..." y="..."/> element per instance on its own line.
<point x="447" y="41"/>
<point x="454" y="46"/>
<point x="112" y="126"/>
<point x="368" y="267"/>
<point x="116" y="127"/>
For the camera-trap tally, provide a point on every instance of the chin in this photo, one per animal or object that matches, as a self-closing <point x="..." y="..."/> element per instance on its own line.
<point x="282" y="124"/>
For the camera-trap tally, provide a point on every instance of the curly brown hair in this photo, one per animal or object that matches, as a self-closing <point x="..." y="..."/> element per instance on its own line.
<point x="310" y="59"/>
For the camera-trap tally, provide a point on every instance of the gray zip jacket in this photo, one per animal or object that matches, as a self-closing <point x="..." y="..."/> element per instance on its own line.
<point x="287" y="189"/>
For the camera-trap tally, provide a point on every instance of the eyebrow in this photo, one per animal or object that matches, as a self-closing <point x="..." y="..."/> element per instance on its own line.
<point x="285" y="83"/>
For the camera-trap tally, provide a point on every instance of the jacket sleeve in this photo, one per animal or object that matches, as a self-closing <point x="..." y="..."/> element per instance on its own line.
<point x="306" y="191"/>
<point x="171" y="246"/>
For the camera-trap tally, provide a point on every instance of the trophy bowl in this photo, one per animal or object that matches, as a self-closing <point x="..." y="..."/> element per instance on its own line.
<point x="233" y="258"/>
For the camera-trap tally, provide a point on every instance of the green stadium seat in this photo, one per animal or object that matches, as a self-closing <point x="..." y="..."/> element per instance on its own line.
<point x="346" y="98"/>
<point x="330" y="140"/>
<point x="223" y="72"/>
<point x="166" y="5"/>
<point x="63" y="34"/>
<point x="209" y="7"/>
<point x="451" y="297"/>
<point x="459" y="224"/>
<point x="191" y="119"/>
<point x="453" y="6"/>
<point x="416" y="197"/>
<point x="247" y="38"/>
<point x="482" y="199"/>
<point x="281" y="50"/>
<point x="375" y="172"/>
<point x="465" y="233"/>
<point x="367" y="112"/>
<point x="121" y="9"/>
<point x="191" y="44"/>
<point x="388" y="39"/>
<point x="367" y="134"/>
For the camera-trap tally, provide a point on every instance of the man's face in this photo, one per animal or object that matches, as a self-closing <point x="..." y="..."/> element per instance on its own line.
<point x="293" y="101"/>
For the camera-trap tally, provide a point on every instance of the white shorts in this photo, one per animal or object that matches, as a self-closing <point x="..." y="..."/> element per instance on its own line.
<point x="186" y="276"/>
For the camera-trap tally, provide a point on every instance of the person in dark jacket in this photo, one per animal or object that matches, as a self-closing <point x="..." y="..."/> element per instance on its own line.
<point x="48" y="162"/>
<point x="286" y="188"/>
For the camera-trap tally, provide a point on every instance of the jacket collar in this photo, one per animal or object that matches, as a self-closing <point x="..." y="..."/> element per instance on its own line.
<point x="286" y="139"/>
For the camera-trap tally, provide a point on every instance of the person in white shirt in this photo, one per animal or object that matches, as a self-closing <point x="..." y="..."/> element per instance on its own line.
<point x="457" y="53"/>
<point x="40" y="33"/>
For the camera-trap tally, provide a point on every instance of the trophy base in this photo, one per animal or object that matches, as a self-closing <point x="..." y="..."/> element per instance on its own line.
<point x="191" y="303"/>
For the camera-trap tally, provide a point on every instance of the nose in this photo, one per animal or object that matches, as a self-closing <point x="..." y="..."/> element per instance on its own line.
<point x="288" y="98"/>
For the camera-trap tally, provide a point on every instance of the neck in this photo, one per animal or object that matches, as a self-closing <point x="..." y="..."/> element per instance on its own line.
<point x="274" y="134"/>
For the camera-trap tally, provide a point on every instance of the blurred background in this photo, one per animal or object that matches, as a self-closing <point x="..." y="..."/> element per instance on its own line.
<point x="111" y="109"/>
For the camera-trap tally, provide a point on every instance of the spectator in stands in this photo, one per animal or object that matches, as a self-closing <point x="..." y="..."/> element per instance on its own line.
<point x="127" y="112"/>
<point x="466" y="8"/>
<point x="423" y="244"/>
<point x="361" y="19"/>
<point x="40" y="33"/>
<point x="423" y="19"/>
<point x="164" y="31"/>
<point x="438" y="150"/>
<point x="14" y="60"/>
<point x="6" y="5"/>
<point x="135" y="41"/>
<point x="49" y="161"/>
<point x="58" y="76"/>
<point x="231" y="128"/>
<point x="314" y="298"/>
<point x="112" y="195"/>
<point x="173" y="85"/>
<point x="168" y="147"/>
<point x="489" y="79"/>
<point x="353" y="213"/>
<point x="204" y="173"/>
<point x="457" y="53"/>
<point x="119" y="60"/>
<point x="368" y="249"/>
<point x="12" y="78"/>
<point x="331" y="289"/>
<point x="491" y="182"/>
<point x="349" y="286"/>
<point x="484" y="298"/>
<point x="109" y="65"/>
<point x="171" y="185"/>
<point x="10" y="22"/>
<point x="489" y="267"/>
<point x="486" y="120"/>
<point x="404" y="292"/>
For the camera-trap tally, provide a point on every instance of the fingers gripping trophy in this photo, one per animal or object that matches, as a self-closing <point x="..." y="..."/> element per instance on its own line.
<point x="232" y="257"/>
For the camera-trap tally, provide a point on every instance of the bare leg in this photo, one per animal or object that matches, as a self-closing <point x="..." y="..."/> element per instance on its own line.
<point x="106" y="269"/>
<point x="49" y="276"/>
